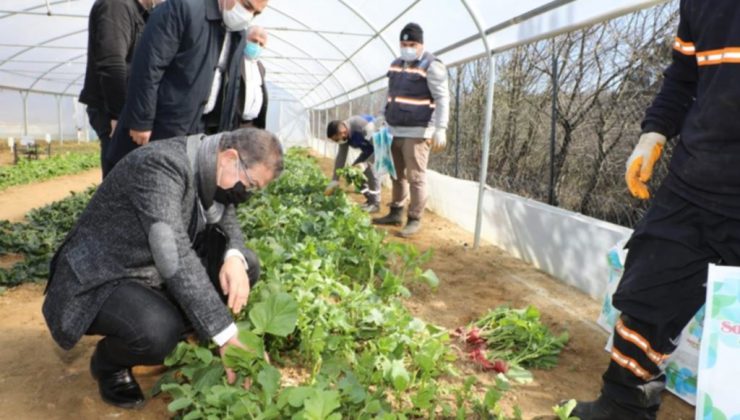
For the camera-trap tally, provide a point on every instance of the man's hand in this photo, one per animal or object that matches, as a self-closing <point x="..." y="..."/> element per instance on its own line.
<point x="234" y="283"/>
<point x="113" y="124"/>
<point x="140" y="137"/>
<point x="439" y="140"/>
<point x="331" y="188"/>
<point x="230" y="374"/>
<point x="641" y="163"/>
<point x="360" y="165"/>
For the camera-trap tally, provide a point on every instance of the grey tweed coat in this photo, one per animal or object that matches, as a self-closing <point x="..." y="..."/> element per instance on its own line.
<point x="137" y="227"/>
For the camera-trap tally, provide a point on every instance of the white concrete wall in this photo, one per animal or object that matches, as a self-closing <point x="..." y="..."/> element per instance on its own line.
<point x="567" y="245"/>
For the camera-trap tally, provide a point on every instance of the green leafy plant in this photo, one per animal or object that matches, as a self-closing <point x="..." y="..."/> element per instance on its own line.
<point x="354" y="176"/>
<point x="328" y="311"/>
<point x="36" y="240"/>
<point x="510" y="341"/>
<point x="563" y="411"/>
<point x="27" y="171"/>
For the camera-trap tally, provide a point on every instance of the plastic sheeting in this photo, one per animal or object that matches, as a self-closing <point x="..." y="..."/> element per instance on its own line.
<point x="320" y="52"/>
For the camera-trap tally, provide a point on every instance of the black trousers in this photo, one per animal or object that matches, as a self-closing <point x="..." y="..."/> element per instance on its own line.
<point x="663" y="286"/>
<point x="100" y="122"/>
<point x="142" y="325"/>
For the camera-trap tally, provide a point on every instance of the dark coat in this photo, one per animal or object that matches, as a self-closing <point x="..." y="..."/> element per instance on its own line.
<point x="114" y="28"/>
<point x="172" y="73"/>
<point x="261" y="120"/>
<point x="139" y="229"/>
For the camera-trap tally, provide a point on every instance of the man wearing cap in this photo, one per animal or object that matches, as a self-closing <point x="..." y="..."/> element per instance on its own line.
<point x="417" y="111"/>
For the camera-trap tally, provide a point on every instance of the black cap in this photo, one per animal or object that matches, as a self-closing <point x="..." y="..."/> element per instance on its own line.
<point x="412" y="32"/>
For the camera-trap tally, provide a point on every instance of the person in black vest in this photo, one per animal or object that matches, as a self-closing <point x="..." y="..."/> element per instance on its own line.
<point x="185" y="73"/>
<point x="114" y="28"/>
<point x="416" y="112"/>
<point x="252" y="105"/>
<point x="694" y="218"/>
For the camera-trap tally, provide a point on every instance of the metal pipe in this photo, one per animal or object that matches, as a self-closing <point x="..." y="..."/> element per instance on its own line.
<point x="488" y="122"/>
<point x="553" y="127"/>
<point x="326" y="122"/>
<point x="59" y="118"/>
<point x="24" y="97"/>
<point x="457" y="124"/>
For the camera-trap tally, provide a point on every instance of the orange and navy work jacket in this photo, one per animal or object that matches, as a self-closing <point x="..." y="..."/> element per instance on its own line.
<point x="410" y="102"/>
<point x="700" y="101"/>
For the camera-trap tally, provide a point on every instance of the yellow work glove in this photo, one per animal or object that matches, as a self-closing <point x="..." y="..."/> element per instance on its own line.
<point x="641" y="163"/>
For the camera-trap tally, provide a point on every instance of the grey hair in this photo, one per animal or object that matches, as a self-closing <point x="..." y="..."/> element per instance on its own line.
<point x="255" y="147"/>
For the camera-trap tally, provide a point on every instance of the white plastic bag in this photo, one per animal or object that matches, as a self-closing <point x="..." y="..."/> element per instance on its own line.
<point x="382" y="141"/>
<point x="719" y="361"/>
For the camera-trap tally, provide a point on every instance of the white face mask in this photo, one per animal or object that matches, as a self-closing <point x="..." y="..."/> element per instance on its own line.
<point x="238" y="18"/>
<point x="408" y="53"/>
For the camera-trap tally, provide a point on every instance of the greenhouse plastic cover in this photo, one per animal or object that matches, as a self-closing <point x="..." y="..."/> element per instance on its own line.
<point x="320" y="53"/>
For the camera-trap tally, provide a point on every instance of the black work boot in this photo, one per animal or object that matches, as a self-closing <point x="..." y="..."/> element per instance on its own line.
<point x="411" y="228"/>
<point x="395" y="217"/>
<point x="118" y="387"/>
<point x="604" y="408"/>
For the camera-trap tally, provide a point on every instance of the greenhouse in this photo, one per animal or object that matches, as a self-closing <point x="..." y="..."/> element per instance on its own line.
<point x="356" y="209"/>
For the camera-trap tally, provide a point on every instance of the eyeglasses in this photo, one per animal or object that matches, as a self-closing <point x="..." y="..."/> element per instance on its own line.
<point x="252" y="183"/>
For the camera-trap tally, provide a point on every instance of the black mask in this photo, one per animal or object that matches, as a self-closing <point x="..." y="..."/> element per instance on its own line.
<point x="235" y="195"/>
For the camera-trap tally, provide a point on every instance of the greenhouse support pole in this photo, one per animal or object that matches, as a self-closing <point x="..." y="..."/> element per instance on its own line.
<point x="336" y="117"/>
<point x="488" y="121"/>
<point x="350" y="109"/>
<point x="24" y="97"/>
<point x="59" y="118"/>
<point x="553" y="128"/>
<point x="312" y="113"/>
<point x="457" y="124"/>
<point x="326" y="142"/>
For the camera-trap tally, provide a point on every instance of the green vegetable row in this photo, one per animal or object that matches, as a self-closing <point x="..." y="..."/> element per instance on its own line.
<point x="27" y="171"/>
<point x="37" y="240"/>
<point x="328" y="312"/>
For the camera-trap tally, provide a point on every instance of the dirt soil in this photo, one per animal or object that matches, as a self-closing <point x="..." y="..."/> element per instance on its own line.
<point x="39" y="380"/>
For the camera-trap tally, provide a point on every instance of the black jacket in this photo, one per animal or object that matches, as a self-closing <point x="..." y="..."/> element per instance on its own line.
<point x="172" y="73"/>
<point x="114" y="29"/>
<point x="700" y="100"/>
<point x="261" y="119"/>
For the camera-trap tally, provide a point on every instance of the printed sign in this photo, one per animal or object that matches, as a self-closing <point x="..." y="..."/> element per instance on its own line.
<point x="719" y="360"/>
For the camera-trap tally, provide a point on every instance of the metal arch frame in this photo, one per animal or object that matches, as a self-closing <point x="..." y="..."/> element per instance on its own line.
<point x="339" y="82"/>
<point x="47" y="3"/>
<point x="331" y="72"/>
<point x="72" y="83"/>
<point x="377" y="34"/>
<point x="488" y="120"/>
<point x="42" y="43"/>
<point x="307" y="72"/>
<point x="51" y="69"/>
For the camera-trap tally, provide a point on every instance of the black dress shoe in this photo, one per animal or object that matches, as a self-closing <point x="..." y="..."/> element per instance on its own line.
<point x="118" y="388"/>
<point x="605" y="409"/>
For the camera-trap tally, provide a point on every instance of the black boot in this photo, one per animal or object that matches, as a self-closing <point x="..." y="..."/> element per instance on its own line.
<point x="117" y="387"/>
<point x="604" y="408"/>
<point x="412" y="228"/>
<point x="395" y="217"/>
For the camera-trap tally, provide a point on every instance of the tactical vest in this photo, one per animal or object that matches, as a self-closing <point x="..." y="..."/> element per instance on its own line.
<point x="410" y="102"/>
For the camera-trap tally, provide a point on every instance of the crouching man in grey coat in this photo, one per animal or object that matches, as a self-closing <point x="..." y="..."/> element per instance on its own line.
<point x="138" y="267"/>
